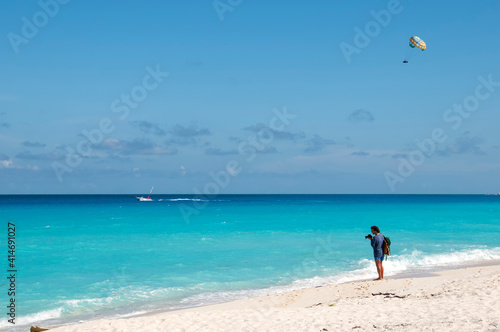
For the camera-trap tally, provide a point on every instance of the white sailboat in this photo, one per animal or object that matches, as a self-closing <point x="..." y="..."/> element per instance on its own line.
<point x="145" y="199"/>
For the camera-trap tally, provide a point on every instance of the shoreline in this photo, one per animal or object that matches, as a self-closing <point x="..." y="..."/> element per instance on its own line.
<point x="268" y="306"/>
<point x="405" y="275"/>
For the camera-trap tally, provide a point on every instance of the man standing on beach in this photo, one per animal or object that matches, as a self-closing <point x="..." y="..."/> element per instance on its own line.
<point x="377" y="241"/>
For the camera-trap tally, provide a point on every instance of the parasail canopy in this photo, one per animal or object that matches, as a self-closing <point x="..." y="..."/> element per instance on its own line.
<point x="417" y="42"/>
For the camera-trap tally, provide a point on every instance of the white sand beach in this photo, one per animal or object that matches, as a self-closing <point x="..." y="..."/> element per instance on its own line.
<point x="459" y="299"/>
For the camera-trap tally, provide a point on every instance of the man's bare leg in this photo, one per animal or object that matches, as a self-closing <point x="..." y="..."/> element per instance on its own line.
<point x="380" y="269"/>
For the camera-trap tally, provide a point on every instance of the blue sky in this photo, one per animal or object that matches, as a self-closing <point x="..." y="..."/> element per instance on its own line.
<point x="249" y="97"/>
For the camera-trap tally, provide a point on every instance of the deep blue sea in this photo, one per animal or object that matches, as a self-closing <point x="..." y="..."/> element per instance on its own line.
<point x="80" y="257"/>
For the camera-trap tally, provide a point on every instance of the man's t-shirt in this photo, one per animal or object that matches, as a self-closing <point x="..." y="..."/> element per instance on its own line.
<point x="377" y="242"/>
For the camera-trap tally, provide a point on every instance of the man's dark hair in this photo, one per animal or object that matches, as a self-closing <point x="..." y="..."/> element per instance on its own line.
<point x="376" y="229"/>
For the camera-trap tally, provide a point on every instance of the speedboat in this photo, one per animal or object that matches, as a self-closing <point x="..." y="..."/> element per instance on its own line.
<point x="145" y="199"/>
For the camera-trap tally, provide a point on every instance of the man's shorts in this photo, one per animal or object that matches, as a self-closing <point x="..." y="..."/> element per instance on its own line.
<point x="379" y="258"/>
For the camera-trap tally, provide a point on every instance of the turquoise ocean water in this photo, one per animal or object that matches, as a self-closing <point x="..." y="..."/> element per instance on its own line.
<point x="82" y="257"/>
